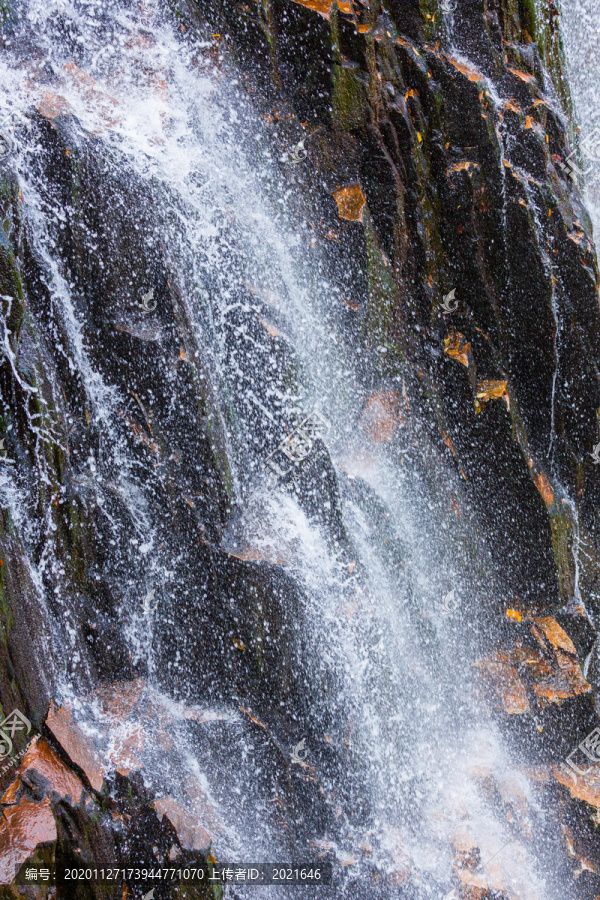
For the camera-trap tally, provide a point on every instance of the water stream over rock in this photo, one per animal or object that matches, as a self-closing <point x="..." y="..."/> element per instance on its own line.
<point x="298" y="547"/>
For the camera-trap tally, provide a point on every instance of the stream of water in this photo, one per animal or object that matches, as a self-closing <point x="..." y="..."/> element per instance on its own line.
<point x="384" y="634"/>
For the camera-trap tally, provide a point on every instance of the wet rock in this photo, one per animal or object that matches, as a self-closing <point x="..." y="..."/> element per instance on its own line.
<point x="22" y="829"/>
<point x="76" y="745"/>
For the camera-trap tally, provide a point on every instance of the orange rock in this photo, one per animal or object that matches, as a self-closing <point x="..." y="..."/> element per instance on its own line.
<point x="379" y="419"/>
<point x="52" y="105"/>
<point x="582" y="787"/>
<point x="42" y="759"/>
<point x="126" y="746"/>
<point x="76" y="745"/>
<point x="191" y="835"/>
<point x="507" y="685"/>
<point x="350" y="202"/>
<point x="201" y="805"/>
<point x="22" y="828"/>
<point x="543" y="486"/>
<point x="99" y="101"/>
<point x="118" y="699"/>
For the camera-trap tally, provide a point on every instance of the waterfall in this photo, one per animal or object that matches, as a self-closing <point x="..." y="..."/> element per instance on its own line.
<point x="188" y="334"/>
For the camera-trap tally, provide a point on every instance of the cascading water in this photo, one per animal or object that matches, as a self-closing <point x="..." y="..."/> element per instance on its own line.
<point x="363" y="658"/>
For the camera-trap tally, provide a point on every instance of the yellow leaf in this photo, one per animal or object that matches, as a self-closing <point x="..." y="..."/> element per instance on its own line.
<point x="350" y="202"/>
<point x="514" y="614"/>
<point x="238" y="643"/>
<point x="492" y="389"/>
<point x="457" y="347"/>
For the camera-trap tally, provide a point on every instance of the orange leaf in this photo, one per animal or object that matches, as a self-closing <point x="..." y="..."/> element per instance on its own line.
<point x="323" y="7"/>
<point x="350" y="202"/>
<point x="493" y="389"/>
<point x="457" y="347"/>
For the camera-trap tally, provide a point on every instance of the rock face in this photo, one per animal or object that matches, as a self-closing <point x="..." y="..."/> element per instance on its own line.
<point x="424" y="152"/>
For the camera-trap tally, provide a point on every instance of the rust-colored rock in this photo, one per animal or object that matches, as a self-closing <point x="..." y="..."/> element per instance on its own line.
<point x="102" y="103"/>
<point x="582" y="787"/>
<point x="128" y="747"/>
<point x="504" y="679"/>
<point x="191" y="835"/>
<point x="43" y="761"/>
<point x="379" y="419"/>
<point x="22" y="828"/>
<point x="118" y="699"/>
<point x="52" y="105"/>
<point x="350" y="202"/>
<point x="76" y="745"/>
<point x="202" y="806"/>
<point x="557" y="636"/>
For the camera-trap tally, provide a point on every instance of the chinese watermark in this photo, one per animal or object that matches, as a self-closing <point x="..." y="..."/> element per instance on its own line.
<point x="450" y="602"/>
<point x="449" y="304"/>
<point x="300" y="153"/>
<point x="571" y="169"/>
<point x="13" y="723"/>
<point x="32" y="874"/>
<point x="589" y="747"/>
<point x="149" y="606"/>
<point x="299" y="753"/>
<point x="590" y="145"/>
<point x="146" y="298"/>
<point x="297" y="445"/>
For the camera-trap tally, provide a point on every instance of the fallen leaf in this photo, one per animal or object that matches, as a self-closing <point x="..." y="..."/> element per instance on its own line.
<point x="238" y="643"/>
<point x="323" y="7"/>
<point x="350" y="202"/>
<point x="456" y="347"/>
<point x="492" y="389"/>
<point x="524" y="76"/>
